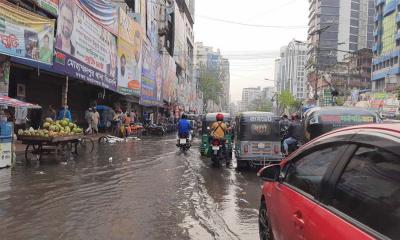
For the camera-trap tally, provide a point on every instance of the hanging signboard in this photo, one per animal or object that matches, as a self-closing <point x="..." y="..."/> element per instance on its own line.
<point x="85" y="50"/>
<point x="103" y="12"/>
<point x="129" y="55"/>
<point x="169" y="77"/>
<point x="51" y="6"/>
<point x="151" y="90"/>
<point x="25" y="35"/>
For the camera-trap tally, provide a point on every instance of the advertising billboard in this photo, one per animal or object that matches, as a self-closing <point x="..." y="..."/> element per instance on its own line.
<point x="26" y="35"/>
<point x="86" y="50"/>
<point x="129" y="55"/>
<point x="151" y="89"/>
<point x="103" y="12"/>
<point x="51" y="6"/>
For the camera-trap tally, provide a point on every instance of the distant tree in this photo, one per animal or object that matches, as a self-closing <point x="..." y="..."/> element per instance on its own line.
<point x="286" y="100"/>
<point x="210" y="85"/>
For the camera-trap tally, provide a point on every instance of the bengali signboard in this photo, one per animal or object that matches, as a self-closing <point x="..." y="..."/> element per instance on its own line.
<point x="25" y="35"/>
<point x="103" y="12"/>
<point x="4" y="74"/>
<point x="151" y="89"/>
<point x="129" y="55"/>
<point x="86" y="50"/>
<point x="50" y="6"/>
<point x="169" y="77"/>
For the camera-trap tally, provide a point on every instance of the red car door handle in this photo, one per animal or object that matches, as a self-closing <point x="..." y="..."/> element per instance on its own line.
<point x="298" y="220"/>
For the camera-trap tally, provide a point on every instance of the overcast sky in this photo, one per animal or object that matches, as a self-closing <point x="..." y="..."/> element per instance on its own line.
<point x="251" y="50"/>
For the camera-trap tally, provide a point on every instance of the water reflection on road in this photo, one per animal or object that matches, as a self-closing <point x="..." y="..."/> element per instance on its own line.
<point x="148" y="190"/>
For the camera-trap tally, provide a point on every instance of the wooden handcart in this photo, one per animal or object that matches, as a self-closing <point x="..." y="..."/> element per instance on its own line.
<point x="37" y="146"/>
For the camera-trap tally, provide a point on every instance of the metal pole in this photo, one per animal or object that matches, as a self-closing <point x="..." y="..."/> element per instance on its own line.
<point x="316" y="69"/>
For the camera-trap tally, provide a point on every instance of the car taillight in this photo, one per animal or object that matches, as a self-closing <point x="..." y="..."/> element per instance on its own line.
<point x="246" y="148"/>
<point x="276" y="149"/>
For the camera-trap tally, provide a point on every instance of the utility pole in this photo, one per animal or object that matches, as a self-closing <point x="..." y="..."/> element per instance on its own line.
<point x="316" y="52"/>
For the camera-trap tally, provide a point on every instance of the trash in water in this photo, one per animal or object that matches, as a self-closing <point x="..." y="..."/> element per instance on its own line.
<point x="129" y="159"/>
<point x="63" y="163"/>
<point x="110" y="159"/>
<point x="40" y="173"/>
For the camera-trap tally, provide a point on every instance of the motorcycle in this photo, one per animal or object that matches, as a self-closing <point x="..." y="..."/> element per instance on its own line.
<point x="217" y="154"/>
<point x="184" y="144"/>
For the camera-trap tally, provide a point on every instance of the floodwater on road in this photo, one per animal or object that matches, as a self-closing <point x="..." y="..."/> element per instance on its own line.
<point x="136" y="190"/>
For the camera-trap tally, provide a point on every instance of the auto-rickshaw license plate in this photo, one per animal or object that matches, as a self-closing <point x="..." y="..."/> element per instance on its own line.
<point x="215" y="148"/>
<point x="261" y="145"/>
<point x="182" y="141"/>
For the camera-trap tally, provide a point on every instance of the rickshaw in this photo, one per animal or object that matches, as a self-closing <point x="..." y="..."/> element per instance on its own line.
<point x="258" y="140"/>
<point x="205" y="146"/>
<point x="318" y="121"/>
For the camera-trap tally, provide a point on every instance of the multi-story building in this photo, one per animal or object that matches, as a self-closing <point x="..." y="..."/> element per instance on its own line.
<point x="386" y="68"/>
<point x="267" y="93"/>
<point x="335" y="28"/>
<point x="249" y="95"/>
<point x="290" y="69"/>
<point x="226" y="82"/>
<point x="206" y="59"/>
<point x="277" y="74"/>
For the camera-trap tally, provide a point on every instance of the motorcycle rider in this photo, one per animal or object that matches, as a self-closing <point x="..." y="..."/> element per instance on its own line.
<point x="292" y="137"/>
<point x="184" y="128"/>
<point x="218" y="130"/>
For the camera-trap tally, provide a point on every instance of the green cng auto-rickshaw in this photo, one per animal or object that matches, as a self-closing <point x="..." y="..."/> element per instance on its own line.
<point x="258" y="140"/>
<point x="208" y="120"/>
<point x="318" y="121"/>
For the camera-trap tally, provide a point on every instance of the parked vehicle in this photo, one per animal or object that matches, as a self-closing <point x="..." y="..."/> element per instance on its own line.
<point x="318" y="121"/>
<point x="205" y="146"/>
<point x="258" y="140"/>
<point x="343" y="185"/>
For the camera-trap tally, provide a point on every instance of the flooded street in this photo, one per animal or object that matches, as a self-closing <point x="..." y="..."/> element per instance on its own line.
<point x="136" y="190"/>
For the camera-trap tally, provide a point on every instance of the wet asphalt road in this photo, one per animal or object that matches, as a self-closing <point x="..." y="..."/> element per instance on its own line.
<point x="147" y="191"/>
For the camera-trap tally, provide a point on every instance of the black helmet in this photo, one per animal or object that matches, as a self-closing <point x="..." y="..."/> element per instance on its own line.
<point x="184" y="116"/>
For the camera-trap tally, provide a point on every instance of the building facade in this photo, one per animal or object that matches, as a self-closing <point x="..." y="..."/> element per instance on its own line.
<point x="250" y="95"/>
<point x="154" y="37"/>
<point x="212" y="62"/>
<point x="386" y="49"/>
<point x="336" y="27"/>
<point x="290" y="69"/>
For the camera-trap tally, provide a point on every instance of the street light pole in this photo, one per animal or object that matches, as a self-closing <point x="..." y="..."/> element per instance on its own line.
<point x="316" y="50"/>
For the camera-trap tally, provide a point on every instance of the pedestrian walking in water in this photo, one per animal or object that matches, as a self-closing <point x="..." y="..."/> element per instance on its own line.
<point x="95" y="121"/>
<point x="89" y="118"/>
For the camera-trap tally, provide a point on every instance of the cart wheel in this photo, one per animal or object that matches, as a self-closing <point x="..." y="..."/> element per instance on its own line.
<point x="85" y="145"/>
<point x="33" y="152"/>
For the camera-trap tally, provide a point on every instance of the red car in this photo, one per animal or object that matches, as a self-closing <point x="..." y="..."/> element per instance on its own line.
<point x="342" y="185"/>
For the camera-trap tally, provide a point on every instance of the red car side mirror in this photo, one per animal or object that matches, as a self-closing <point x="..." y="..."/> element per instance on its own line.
<point x="270" y="173"/>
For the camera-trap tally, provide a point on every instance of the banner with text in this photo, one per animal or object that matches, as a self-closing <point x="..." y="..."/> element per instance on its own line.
<point x="50" y="6"/>
<point x="169" y="78"/>
<point x="103" y="12"/>
<point x="25" y="35"/>
<point x="129" y="55"/>
<point x="87" y="50"/>
<point x="151" y="93"/>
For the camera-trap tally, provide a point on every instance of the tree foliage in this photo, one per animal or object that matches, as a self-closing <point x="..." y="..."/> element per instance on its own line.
<point x="262" y="105"/>
<point x="286" y="100"/>
<point x="210" y="85"/>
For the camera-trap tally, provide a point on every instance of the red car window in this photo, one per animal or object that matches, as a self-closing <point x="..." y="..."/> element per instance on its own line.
<point x="369" y="190"/>
<point x="306" y="173"/>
